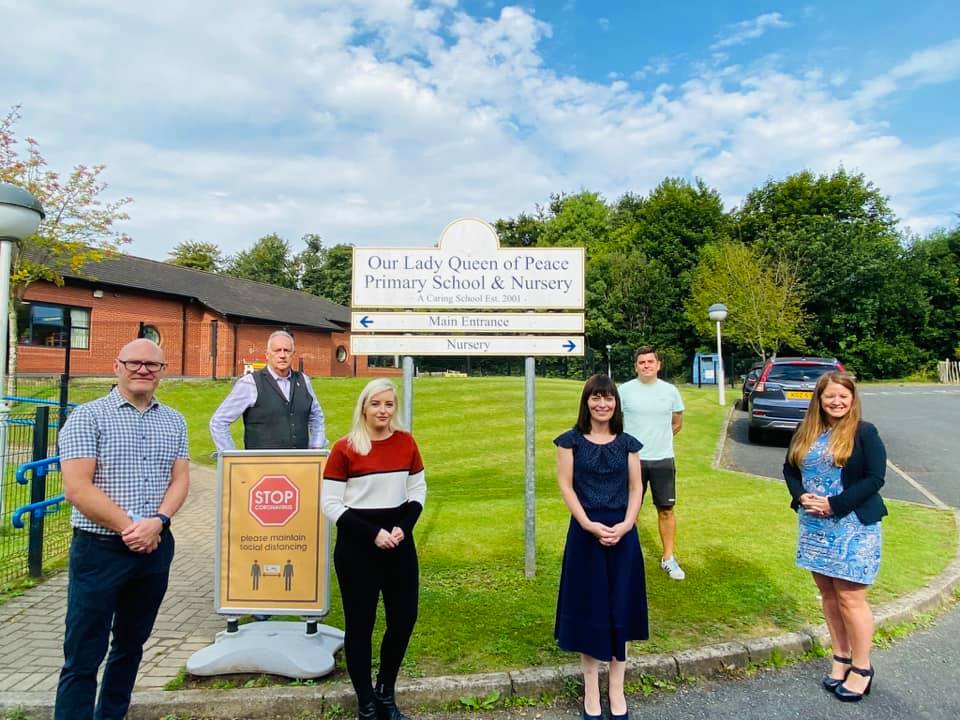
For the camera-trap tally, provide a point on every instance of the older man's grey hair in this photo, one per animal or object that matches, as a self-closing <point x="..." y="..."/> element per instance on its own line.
<point x="280" y="333"/>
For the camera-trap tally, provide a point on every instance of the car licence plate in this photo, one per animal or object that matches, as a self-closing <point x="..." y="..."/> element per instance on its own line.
<point x="799" y="394"/>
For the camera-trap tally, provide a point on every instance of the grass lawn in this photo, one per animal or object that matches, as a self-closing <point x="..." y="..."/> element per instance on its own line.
<point x="736" y="533"/>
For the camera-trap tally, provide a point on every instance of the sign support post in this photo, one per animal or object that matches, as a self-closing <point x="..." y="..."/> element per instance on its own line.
<point x="530" y="476"/>
<point x="408" y="392"/>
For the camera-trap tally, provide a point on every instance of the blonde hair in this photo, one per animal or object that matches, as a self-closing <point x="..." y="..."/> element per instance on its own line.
<point x="359" y="437"/>
<point x="815" y="423"/>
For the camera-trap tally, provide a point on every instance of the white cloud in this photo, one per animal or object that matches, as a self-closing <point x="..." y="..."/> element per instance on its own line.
<point x="930" y="66"/>
<point x="741" y="32"/>
<point x="377" y="123"/>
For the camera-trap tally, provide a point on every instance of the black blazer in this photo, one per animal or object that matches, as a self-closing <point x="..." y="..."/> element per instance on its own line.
<point x="862" y="478"/>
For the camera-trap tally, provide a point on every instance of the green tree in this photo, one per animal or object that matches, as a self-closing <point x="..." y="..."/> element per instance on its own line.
<point x="632" y="301"/>
<point x="81" y="225"/>
<point x="522" y="231"/>
<point x="763" y="294"/>
<point x="268" y="261"/>
<point x="840" y="229"/>
<point x="581" y="220"/>
<point x="326" y="272"/>
<point x="197" y="255"/>
<point x="671" y="224"/>
<point x="934" y="262"/>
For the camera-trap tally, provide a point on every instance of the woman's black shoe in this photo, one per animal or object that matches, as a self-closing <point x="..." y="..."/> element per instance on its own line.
<point x="386" y="704"/>
<point x="831" y="683"/>
<point x="367" y="712"/>
<point x="849" y="695"/>
<point x="587" y="716"/>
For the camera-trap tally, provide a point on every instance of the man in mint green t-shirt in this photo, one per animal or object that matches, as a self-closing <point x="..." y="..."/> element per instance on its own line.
<point x="653" y="413"/>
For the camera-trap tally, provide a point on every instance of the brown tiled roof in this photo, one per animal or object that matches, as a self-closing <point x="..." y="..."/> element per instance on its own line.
<point x="231" y="296"/>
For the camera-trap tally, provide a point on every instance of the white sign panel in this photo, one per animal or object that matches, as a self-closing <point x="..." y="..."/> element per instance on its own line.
<point x="465" y="345"/>
<point x="469" y="269"/>
<point x="393" y="322"/>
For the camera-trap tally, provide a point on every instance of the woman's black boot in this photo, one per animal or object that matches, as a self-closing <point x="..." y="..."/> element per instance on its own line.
<point x="367" y="712"/>
<point x="386" y="704"/>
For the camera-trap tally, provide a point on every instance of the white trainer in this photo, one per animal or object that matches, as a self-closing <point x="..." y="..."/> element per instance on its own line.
<point x="672" y="568"/>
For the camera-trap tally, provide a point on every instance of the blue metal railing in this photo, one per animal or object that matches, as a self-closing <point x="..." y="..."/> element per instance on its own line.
<point x="34" y="401"/>
<point x="39" y="469"/>
<point x="36" y="510"/>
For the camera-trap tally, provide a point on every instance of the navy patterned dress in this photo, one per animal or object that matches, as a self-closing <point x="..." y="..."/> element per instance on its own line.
<point x="602" y="602"/>
<point x="840" y="547"/>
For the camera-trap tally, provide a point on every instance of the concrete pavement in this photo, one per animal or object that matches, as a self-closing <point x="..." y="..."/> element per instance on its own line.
<point x="31" y="632"/>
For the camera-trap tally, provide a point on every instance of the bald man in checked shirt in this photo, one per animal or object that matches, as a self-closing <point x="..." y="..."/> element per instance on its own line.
<point x="126" y="471"/>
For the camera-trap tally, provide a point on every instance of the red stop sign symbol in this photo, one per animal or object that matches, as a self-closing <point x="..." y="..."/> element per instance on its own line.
<point x="274" y="500"/>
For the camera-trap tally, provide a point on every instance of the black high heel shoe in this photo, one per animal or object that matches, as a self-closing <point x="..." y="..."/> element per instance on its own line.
<point x="845" y="695"/>
<point x="830" y="683"/>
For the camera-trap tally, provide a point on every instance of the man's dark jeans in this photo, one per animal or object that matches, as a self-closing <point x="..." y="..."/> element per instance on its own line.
<point x="109" y="585"/>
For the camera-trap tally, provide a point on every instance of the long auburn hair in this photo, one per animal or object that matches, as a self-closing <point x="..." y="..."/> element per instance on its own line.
<point x="359" y="438"/>
<point x="599" y="384"/>
<point x="815" y="423"/>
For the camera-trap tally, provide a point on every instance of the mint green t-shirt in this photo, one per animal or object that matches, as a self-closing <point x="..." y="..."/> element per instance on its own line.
<point x="648" y="415"/>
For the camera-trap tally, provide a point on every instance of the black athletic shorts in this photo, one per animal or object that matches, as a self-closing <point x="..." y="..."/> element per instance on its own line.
<point x="661" y="477"/>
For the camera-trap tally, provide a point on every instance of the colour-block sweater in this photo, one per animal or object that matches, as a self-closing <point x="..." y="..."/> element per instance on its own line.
<point x="363" y="494"/>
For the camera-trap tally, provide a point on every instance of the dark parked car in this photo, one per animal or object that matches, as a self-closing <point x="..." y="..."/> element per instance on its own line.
<point x="783" y="391"/>
<point x="749" y="382"/>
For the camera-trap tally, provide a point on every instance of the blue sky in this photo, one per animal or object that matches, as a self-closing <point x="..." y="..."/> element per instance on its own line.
<point x="376" y="122"/>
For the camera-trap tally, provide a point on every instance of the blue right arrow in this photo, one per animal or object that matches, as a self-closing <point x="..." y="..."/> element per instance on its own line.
<point x="366" y="321"/>
<point x="570" y="345"/>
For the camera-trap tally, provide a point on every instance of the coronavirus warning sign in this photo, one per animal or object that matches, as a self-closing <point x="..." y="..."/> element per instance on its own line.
<point x="272" y="537"/>
<point x="274" y="500"/>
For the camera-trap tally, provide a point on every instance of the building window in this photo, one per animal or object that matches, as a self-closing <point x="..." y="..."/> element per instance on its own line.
<point x="46" y="325"/>
<point x="341" y="354"/>
<point x="382" y="361"/>
<point x="150" y="332"/>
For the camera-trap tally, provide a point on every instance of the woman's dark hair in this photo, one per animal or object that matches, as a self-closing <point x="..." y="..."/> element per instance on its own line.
<point x="599" y="384"/>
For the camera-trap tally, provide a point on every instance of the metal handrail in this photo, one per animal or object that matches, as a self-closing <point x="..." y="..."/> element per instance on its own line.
<point x="39" y="467"/>
<point x="36" y="510"/>
<point x="35" y="401"/>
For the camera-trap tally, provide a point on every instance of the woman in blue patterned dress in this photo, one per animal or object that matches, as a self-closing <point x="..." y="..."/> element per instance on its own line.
<point x="835" y="468"/>
<point x="602" y="602"/>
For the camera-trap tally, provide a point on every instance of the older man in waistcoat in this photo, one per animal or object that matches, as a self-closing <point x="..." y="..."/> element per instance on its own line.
<point x="278" y="405"/>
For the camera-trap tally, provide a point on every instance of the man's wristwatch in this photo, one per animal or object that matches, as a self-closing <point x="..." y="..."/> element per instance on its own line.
<point x="165" y="519"/>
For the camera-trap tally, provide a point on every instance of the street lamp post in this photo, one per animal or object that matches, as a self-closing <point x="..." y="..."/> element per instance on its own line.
<point x="20" y="216"/>
<point x="609" y="371"/>
<point x="718" y="313"/>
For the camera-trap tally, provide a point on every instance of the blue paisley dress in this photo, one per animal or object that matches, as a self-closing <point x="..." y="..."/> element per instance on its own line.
<point x="840" y="547"/>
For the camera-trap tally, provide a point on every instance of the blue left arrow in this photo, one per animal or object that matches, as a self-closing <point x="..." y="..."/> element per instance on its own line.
<point x="366" y="321"/>
<point x="570" y="345"/>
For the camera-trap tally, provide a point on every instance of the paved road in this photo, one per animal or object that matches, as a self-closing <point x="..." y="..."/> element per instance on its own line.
<point x="919" y="424"/>
<point x="917" y="679"/>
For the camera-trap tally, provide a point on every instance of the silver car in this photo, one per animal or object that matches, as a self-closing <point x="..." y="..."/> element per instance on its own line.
<point x="783" y="392"/>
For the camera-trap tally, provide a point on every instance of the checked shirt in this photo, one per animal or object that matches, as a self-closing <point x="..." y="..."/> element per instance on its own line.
<point x="134" y="451"/>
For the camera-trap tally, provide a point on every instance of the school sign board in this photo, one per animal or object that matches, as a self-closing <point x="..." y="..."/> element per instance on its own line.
<point x="273" y="539"/>
<point x="469" y="269"/>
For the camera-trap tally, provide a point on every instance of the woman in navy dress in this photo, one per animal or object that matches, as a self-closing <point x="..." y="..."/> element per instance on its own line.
<point x="602" y="602"/>
<point x="835" y="468"/>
